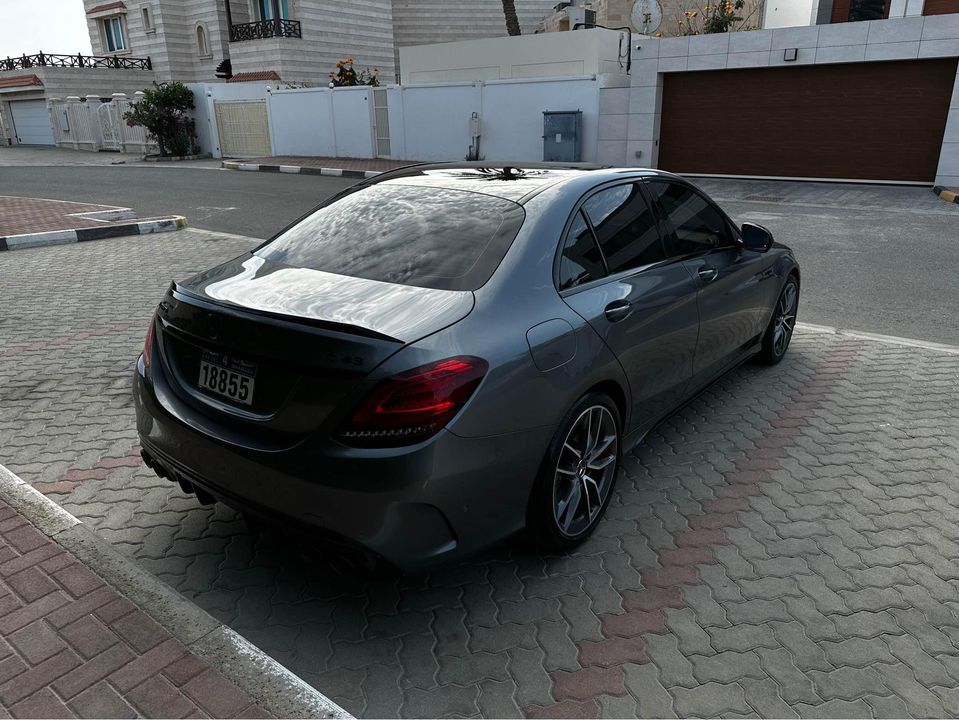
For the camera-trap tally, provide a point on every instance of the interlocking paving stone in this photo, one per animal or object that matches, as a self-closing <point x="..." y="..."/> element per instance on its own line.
<point x="927" y="669"/>
<point x="794" y="685"/>
<point x="866" y="624"/>
<point x="803" y="516"/>
<point x="919" y="700"/>
<point x="806" y="654"/>
<point x="847" y="683"/>
<point x="710" y="699"/>
<point x="674" y="667"/>
<point x="835" y="709"/>
<point x="80" y="663"/>
<point x="763" y="696"/>
<point x="726" y="667"/>
<point x="652" y="699"/>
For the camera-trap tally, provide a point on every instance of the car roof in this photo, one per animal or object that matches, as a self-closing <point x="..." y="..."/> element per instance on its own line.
<point x="512" y="181"/>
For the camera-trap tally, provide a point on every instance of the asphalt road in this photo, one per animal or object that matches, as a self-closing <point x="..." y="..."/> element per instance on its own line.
<point x="876" y="259"/>
<point x="880" y="260"/>
<point x="254" y="204"/>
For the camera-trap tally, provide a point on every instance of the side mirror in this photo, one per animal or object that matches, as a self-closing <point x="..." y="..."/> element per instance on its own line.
<point x="756" y="237"/>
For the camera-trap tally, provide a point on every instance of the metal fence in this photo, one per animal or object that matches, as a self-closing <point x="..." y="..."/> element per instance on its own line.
<point x="25" y="62"/>
<point x="265" y="29"/>
<point x="91" y="124"/>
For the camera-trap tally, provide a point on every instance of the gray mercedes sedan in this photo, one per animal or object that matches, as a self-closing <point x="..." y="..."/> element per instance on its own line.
<point x="447" y="354"/>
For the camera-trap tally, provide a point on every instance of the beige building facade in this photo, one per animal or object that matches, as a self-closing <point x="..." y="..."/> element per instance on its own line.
<point x="282" y="42"/>
<point x="298" y="40"/>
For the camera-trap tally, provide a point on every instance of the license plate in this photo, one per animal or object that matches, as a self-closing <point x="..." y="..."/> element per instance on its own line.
<point x="228" y="377"/>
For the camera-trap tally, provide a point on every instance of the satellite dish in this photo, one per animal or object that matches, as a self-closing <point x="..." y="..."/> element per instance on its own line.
<point x="646" y="16"/>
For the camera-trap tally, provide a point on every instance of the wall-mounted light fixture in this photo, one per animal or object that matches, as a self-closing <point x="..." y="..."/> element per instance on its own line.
<point x="790" y="54"/>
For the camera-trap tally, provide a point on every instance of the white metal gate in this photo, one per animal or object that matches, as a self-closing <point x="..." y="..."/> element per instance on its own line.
<point x="108" y="117"/>
<point x="244" y="128"/>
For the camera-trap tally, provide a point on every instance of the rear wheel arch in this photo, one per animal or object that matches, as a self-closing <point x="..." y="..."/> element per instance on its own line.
<point x="617" y="395"/>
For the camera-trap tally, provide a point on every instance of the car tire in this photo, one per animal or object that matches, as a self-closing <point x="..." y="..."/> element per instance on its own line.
<point x="781" y="324"/>
<point x="560" y="516"/>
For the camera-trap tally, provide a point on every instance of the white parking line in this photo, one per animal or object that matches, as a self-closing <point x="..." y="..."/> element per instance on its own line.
<point x="888" y="339"/>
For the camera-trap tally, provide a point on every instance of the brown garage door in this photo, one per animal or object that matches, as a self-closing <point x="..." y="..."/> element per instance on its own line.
<point x="940" y="7"/>
<point x="869" y="121"/>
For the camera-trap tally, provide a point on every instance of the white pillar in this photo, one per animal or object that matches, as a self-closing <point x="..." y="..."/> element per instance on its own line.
<point x="74" y="118"/>
<point x="95" y="135"/>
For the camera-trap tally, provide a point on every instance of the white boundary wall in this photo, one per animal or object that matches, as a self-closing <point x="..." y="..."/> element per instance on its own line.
<point x="322" y="121"/>
<point x="432" y="122"/>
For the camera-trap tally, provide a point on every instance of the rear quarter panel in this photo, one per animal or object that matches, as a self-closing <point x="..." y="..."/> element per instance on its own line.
<point x="516" y="395"/>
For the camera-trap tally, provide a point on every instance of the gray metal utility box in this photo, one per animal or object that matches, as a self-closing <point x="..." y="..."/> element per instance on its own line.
<point x="562" y="135"/>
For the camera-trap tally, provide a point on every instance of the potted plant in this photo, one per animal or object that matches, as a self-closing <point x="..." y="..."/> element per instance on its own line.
<point x="346" y="75"/>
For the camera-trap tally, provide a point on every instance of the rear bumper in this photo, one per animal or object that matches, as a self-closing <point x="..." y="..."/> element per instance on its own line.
<point x="414" y="507"/>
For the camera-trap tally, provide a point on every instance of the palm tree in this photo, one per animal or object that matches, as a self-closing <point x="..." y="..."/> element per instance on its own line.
<point x="512" y="21"/>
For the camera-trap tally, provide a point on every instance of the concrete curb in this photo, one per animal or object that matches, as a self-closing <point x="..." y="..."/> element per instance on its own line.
<point x="174" y="158"/>
<point x="63" y="237"/>
<point x="271" y="685"/>
<point x="301" y="170"/>
<point x="946" y="194"/>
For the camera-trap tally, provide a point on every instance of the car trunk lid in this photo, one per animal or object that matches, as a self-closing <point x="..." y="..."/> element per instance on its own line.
<point x="304" y="338"/>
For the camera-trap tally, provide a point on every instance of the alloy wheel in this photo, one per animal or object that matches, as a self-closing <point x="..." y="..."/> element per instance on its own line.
<point x="785" y="320"/>
<point x="585" y="471"/>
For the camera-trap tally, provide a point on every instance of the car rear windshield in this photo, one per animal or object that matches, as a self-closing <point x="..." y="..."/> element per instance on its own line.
<point x="434" y="237"/>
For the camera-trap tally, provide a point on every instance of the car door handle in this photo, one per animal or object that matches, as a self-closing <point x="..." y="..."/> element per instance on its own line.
<point x="618" y="310"/>
<point x="707" y="274"/>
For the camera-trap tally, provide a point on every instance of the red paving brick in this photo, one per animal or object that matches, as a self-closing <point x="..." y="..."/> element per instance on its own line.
<point x="70" y="645"/>
<point x="653" y="599"/>
<point x="613" y="651"/>
<point x="635" y="623"/>
<point x="19" y="216"/>
<point x="587" y="683"/>
<point x="565" y="709"/>
<point x="667" y="577"/>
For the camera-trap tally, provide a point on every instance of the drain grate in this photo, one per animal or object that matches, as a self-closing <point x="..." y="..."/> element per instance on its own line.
<point x="765" y="198"/>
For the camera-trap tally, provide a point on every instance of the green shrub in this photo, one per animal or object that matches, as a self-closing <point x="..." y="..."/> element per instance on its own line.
<point x="162" y="111"/>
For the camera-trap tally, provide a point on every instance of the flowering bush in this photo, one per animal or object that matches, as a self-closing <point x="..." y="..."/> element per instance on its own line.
<point x="162" y="111"/>
<point x="346" y="75"/>
<point x="715" y="17"/>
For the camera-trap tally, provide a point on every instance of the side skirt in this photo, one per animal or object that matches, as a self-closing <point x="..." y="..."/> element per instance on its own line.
<point x="637" y="436"/>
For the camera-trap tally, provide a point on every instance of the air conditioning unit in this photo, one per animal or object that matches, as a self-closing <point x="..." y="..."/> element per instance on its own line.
<point x="580" y="18"/>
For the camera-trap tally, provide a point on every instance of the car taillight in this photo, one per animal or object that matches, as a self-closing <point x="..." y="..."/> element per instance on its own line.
<point x="148" y="343"/>
<point x="413" y="406"/>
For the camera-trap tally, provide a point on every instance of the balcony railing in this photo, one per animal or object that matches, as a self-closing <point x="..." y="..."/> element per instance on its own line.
<point x="265" y="29"/>
<point x="25" y="62"/>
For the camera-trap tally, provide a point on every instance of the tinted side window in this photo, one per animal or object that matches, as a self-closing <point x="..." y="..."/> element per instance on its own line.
<point x="581" y="260"/>
<point x="698" y="224"/>
<point x="625" y="227"/>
